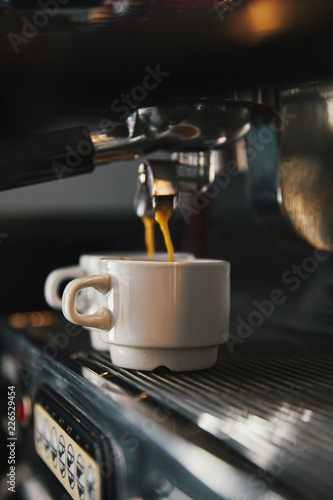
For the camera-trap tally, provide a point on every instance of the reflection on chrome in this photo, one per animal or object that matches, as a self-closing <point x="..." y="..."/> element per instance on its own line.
<point x="261" y="440"/>
<point x="222" y="478"/>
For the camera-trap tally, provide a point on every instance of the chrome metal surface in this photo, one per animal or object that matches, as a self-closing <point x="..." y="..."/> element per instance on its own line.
<point x="161" y="178"/>
<point x="158" y="453"/>
<point x="271" y="401"/>
<point x="306" y="173"/>
<point x="143" y="204"/>
<point x="158" y="178"/>
<point x="108" y="148"/>
<point x="199" y="126"/>
<point x="291" y="169"/>
<point x="186" y="127"/>
<point x="197" y="170"/>
<point x="195" y="130"/>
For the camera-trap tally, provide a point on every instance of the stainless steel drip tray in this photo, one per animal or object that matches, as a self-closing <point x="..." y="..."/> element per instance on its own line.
<point x="269" y="398"/>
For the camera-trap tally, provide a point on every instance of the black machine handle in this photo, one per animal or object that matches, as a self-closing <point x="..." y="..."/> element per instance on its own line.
<point x="46" y="157"/>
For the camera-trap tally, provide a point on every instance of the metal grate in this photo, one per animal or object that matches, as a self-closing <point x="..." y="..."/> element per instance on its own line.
<point x="271" y="401"/>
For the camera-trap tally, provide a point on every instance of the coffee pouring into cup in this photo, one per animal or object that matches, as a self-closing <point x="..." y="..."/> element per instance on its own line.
<point x="148" y="312"/>
<point x="151" y="309"/>
<point x="156" y="313"/>
<point x="154" y="310"/>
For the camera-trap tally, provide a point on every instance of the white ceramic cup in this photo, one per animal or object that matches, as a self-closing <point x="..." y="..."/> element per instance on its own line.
<point x="90" y="264"/>
<point x="154" y="313"/>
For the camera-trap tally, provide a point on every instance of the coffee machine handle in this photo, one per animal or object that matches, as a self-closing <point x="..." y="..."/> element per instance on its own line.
<point x="46" y="157"/>
<point x="101" y="319"/>
<point x="55" y="279"/>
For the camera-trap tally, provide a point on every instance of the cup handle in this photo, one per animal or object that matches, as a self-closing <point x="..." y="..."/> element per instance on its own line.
<point x="53" y="281"/>
<point x="103" y="318"/>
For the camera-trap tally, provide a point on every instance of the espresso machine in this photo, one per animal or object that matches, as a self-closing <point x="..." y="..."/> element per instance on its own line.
<point x="226" y="108"/>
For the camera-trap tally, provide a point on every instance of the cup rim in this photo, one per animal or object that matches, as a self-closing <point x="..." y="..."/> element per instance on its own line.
<point x="129" y="254"/>
<point x="145" y="262"/>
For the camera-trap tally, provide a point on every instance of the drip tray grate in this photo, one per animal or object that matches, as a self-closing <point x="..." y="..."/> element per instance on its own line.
<point x="271" y="400"/>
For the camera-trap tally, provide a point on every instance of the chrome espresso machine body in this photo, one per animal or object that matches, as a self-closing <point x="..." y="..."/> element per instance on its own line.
<point x="227" y="108"/>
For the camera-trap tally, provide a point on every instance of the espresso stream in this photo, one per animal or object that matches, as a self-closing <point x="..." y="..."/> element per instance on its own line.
<point x="149" y="223"/>
<point x="163" y="212"/>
